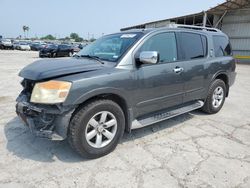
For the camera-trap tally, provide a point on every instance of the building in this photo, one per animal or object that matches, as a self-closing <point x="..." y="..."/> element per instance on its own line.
<point x="232" y="17"/>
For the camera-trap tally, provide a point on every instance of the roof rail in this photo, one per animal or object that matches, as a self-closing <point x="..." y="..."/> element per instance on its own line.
<point x="211" y="29"/>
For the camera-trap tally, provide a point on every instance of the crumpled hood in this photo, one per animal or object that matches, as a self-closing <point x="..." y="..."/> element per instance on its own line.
<point x="48" y="68"/>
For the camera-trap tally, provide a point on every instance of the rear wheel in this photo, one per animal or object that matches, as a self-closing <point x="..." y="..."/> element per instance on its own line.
<point x="216" y="97"/>
<point x="96" y="128"/>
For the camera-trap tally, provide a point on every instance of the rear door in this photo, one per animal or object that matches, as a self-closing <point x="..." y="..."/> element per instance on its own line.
<point x="160" y="85"/>
<point x="194" y="55"/>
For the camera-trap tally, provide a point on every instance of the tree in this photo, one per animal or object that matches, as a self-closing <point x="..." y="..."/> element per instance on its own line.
<point x="92" y="39"/>
<point x="74" y="36"/>
<point x="49" y="37"/>
<point x="25" y="28"/>
<point x="66" y="38"/>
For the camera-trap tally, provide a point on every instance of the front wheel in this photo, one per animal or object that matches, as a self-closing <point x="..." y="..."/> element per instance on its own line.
<point x="216" y="97"/>
<point x="96" y="128"/>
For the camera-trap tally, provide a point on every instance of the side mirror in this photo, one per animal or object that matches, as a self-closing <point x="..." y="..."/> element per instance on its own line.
<point x="149" y="57"/>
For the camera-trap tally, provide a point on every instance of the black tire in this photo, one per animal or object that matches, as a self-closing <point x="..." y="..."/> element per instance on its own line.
<point x="208" y="106"/>
<point x="78" y="126"/>
<point x="70" y="54"/>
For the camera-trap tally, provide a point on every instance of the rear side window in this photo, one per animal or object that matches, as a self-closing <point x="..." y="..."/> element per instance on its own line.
<point x="192" y="46"/>
<point x="164" y="44"/>
<point x="222" y="46"/>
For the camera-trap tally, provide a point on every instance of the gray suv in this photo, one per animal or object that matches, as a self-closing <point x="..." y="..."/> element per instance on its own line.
<point x="126" y="81"/>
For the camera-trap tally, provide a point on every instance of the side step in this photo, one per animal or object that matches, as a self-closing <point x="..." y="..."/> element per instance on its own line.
<point x="136" y="124"/>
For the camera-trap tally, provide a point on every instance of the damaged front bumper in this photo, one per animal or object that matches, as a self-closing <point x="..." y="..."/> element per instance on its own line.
<point x="46" y="121"/>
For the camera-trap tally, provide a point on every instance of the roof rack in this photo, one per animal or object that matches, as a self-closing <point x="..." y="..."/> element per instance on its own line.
<point x="211" y="29"/>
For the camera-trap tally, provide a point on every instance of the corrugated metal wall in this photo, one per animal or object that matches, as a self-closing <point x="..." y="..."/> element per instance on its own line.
<point x="236" y="24"/>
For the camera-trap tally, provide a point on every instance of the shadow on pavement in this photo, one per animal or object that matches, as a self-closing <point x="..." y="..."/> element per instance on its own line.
<point x="157" y="127"/>
<point x="21" y="142"/>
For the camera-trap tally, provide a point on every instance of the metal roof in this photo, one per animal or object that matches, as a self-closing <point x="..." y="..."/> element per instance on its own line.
<point x="219" y="9"/>
<point x="229" y="5"/>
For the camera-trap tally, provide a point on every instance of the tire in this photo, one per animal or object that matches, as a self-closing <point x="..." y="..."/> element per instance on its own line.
<point x="210" y="106"/>
<point x="70" y="54"/>
<point x="80" y="127"/>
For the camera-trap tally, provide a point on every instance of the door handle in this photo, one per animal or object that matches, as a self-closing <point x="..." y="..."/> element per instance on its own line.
<point x="178" y="70"/>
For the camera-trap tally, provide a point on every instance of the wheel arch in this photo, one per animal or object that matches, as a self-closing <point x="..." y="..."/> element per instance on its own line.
<point x="114" y="96"/>
<point x="224" y="77"/>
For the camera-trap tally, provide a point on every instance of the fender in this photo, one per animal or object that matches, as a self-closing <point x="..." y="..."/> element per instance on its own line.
<point x="219" y="73"/>
<point x="107" y="90"/>
<point x="129" y="111"/>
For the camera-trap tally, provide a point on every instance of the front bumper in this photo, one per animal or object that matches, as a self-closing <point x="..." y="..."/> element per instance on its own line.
<point x="46" y="121"/>
<point x="44" y="54"/>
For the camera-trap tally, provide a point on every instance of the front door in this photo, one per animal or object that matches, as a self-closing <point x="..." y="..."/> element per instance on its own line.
<point x="160" y="85"/>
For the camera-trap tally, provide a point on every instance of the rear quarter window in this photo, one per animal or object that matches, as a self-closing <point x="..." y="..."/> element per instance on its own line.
<point x="192" y="46"/>
<point x="222" y="46"/>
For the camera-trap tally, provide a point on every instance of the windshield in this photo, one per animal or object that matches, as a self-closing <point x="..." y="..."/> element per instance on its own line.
<point x="110" y="47"/>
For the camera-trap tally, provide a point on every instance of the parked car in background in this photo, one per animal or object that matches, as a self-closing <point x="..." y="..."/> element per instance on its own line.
<point x="23" y="46"/>
<point x="37" y="46"/>
<point x="81" y="46"/>
<point x="15" y="44"/>
<point x="76" y="47"/>
<point x="54" y="50"/>
<point x="6" y="44"/>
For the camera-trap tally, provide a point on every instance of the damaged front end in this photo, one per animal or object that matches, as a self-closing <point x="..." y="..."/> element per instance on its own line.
<point x="46" y="121"/>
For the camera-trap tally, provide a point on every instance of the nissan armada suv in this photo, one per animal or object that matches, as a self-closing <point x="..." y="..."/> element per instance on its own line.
<point x="126" y="81"/>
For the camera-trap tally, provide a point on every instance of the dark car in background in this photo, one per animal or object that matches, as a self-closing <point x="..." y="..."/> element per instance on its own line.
<point x="54" y="50"/>
<point x="37" y="46"/>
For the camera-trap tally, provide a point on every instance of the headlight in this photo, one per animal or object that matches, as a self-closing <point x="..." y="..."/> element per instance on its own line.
<point x="50" y="92"/>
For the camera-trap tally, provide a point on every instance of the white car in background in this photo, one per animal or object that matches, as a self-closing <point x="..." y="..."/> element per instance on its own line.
<point x="23" y="46"/>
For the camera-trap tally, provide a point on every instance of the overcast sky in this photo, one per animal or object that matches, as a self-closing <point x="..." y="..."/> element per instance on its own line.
<point x="61" y="17"/>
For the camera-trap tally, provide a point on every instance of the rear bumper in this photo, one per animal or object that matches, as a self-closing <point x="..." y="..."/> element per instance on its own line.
<point x="44" y="121"/>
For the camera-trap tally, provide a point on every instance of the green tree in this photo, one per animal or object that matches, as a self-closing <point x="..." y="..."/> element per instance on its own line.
<point x="66" y="38"/>
<point x="74" y="36"/>
<point x="49" y="37"/>
<point x="92" y="39"/>
<point x="25" y="29"/>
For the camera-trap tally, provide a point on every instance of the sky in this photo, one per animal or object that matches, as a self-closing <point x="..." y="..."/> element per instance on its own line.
<point x="89" y="18"/>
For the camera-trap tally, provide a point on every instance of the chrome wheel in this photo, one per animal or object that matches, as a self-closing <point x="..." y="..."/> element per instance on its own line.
<point x="218" y="97"/>
<point x="101" y="129"/>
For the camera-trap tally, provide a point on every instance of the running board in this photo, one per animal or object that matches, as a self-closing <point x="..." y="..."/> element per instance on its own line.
<point x="136" y="124"/>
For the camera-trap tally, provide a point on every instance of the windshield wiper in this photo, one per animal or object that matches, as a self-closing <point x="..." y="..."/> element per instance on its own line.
<point x="92" y="57"/>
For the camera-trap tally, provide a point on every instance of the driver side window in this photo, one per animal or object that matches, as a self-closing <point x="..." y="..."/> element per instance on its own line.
<point x="164" y="44"/>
